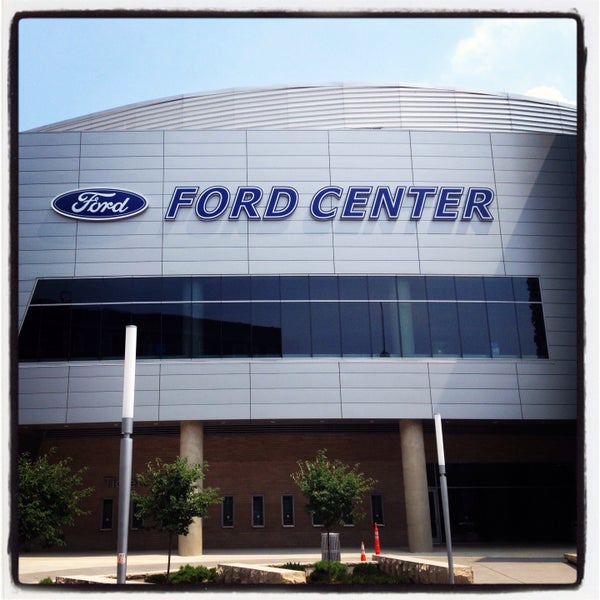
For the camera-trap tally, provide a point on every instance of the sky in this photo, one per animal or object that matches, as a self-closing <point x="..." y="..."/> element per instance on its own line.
<point x="70" y="67"/>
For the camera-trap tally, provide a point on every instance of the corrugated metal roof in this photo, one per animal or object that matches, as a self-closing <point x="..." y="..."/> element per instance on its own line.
<point x="334" y="106"/>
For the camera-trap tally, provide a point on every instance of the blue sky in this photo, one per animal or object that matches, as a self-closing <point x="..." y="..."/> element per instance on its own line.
<point x="73" y="67"/>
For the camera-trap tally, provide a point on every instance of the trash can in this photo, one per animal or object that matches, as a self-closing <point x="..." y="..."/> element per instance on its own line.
<point x="334" y="546"/>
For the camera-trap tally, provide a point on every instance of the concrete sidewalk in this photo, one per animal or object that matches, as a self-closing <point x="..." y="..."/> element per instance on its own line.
<point x="491" y="565"/>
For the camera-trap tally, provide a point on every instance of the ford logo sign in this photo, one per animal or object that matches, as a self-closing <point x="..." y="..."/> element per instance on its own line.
<point x="99" y="204"/>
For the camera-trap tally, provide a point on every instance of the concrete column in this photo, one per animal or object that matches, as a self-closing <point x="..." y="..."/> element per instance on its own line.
<point x="416" y="495"/>
<point x="191" y="446"/>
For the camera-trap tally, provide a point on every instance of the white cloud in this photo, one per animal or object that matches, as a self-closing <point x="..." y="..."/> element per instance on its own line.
<point x="548" y="92"/>
<point x="514" y="55"/>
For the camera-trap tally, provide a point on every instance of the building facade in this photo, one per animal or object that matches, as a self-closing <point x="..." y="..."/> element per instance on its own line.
<point x="310" y="267"/>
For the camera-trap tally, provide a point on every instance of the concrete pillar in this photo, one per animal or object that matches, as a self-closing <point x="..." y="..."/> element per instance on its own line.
<point x="416" y="495"/>
<point x="191" y="446"/>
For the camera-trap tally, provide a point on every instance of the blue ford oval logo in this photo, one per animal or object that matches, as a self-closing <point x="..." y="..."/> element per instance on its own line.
<point x="99" y="204"/>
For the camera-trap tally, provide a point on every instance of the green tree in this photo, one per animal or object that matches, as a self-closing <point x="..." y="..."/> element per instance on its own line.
<point x="334" y="490"/>
<point x="174" y="497"/>
<point x="48" y="498"/>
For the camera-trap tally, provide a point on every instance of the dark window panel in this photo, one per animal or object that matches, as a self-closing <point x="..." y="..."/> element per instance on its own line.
<point x="176" y="330"/>
<point x="295" y="329"/>
<point x="235" y="288"/>
<point x="325" y="328"/>
<point x="532" y="333"/>
<point x="265" y="287"/>
<point x="55" y="332"/>
<point x="498" y="288"/>
<point x="527" y="289"/>
<point x="356" y="334"/>
<point x="227" y="512"/>
<point x="503" y="330"/>
<point x="294" y="287"/>
<point x="53" y="291"/>
<point x="385" y="329"/>
<point x="258" y="511"/>
<point x="382" y="288"/>
<point x="86" y="332"/>
<point x="323" y="287"/>
<point x="353" y="287"/>
<point x="377" y="509"/>
<point x="414" y="324"/>
<point x="114" y="320"/>
<point x="266" y="329"/>
<point x="440" y="288"/>
<point x="445" y="338"/>
<point x="206" y="289"/>
<point x="411" y="288"/>
<point x="29" y="336"/>
<point x="236" y="329"/>
<point x="147" y="319"/>
<point x="469" y="288"/>
<point x="176" y="289"/>
<point x="206" y="328"/>
<point x="287" y="510"/>
<point x="474" y="333"/>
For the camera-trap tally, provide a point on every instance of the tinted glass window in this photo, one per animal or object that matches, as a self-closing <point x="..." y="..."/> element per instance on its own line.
<point x="503" y="330"/>
<point x="29" y="335"/>
<point x="356" y="335"/>
<point x="207" y="324"/>
<point x="209" y="289"/>
<point x="53" y="291"/>
<point x="382" y="288"/>
<point x="325" y="328"/>
<point x="177" y="327"/>
<point x="445" y="339"/>
<point x="265" y="288"/>
<point x="527" y="289"/>
<point x="532" y="333"/>
<point x="498" y="288"/>
<point x="440" y="288"/>
<point x="147" y="318"/>
<point x="414" y="323"/>
<point x="474" y="334"/>
<point x="411" y="288"/>
<point x="469" y="288"/>
<point x="353" y="288"/>
<point x="385" y="329"/>
<point x="177" y="289"/>
<point x="114" y="320"/>
<point x="294" y="288"/>
<point x="235" y="288"/>
<point x="236" y="329"/>
<point x="295" y="324"/>
<point x="55" y="331"/>
<point x="266" y="329"/>
<point x="323" y="287"/>
<point x="85" y="332"/>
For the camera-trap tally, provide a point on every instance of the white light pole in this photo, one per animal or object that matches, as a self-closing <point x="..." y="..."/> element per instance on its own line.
<point x="126" y="450"/>
<point x="444" y="487"/>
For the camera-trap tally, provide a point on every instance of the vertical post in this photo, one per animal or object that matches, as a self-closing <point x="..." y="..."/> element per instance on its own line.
<point x="444" y="487"/>
<point x="126" y="450"/>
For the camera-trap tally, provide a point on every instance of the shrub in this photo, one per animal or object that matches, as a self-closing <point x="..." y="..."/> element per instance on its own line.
<point x="293" y="566"/>
<point x="369" y="573"/>
<point x="322" y="570"/>
<point x="46" y="581"/>
<point x="187" y="574"/>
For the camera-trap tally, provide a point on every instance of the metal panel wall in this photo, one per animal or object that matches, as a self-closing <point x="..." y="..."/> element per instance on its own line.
<point x="533" y="234"/>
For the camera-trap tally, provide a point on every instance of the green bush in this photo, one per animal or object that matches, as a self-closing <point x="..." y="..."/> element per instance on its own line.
<point x="369" y="573"/>
<point x="187" y="574"/>
<point x="293" y="566"/>
<point x="322" y="569"/>
<point x="46" y="581"/>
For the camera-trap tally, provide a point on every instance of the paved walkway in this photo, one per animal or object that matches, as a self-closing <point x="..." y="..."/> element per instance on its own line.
<point x="491" y="565"/>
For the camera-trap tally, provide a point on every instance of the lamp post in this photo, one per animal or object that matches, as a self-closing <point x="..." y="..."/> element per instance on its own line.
<point x="444" y="487"/>
<point x="126" y="450"/>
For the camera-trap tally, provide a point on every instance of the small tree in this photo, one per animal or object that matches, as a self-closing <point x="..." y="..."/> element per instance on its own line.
<point x="48" y="498"/>
<point x="334" y="491"/>
<point x="174" y="497"/>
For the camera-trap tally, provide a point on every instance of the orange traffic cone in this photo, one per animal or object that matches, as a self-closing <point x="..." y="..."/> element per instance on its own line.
<point x="377" y="546"/>
<point x="363" y="555"/>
